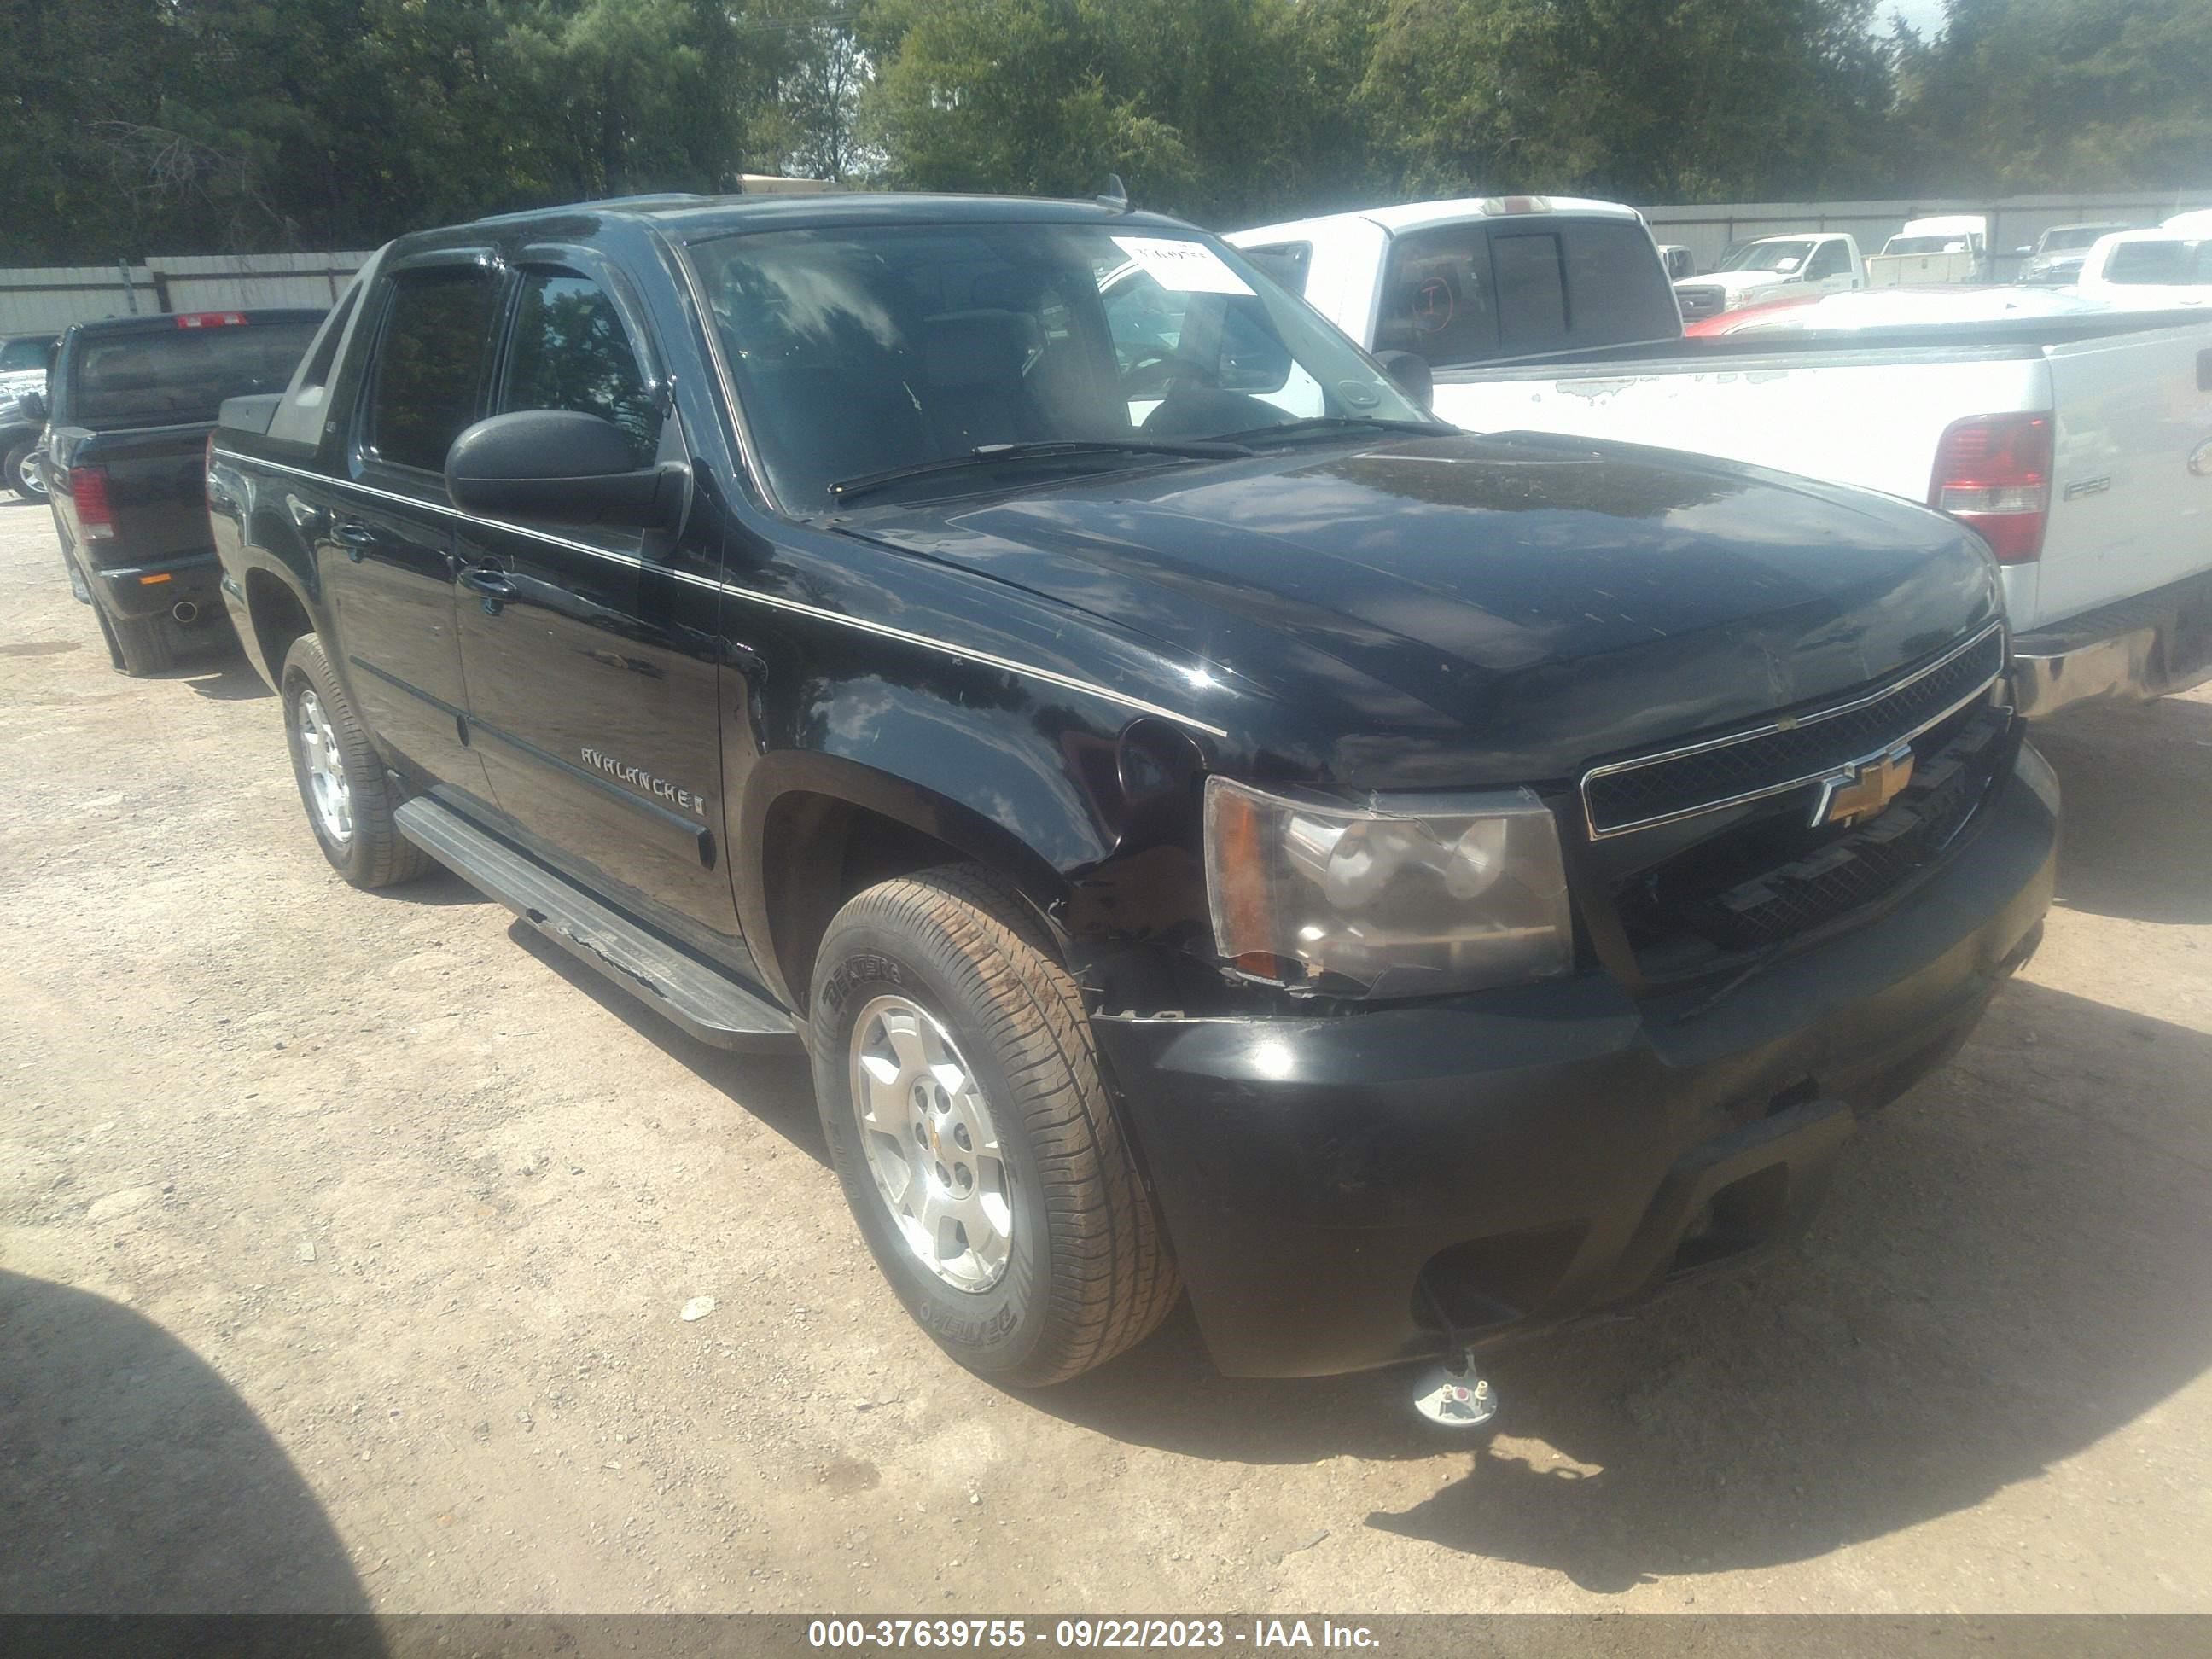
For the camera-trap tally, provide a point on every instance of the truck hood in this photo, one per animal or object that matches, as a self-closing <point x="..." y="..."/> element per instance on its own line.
<point x="1487" y="608"/>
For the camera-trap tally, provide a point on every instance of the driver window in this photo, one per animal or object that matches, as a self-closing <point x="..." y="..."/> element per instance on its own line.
<point x="570" y="351"/>
<point x="1145" y="319"/>
<point x="1828" y="261"/>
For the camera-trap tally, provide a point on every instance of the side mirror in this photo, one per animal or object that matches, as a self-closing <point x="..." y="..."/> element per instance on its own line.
<point x="1412" y="375"/>
<point x="2023" y="251"/>
<point x="33" y="406"/>
<point x="559" y="464"/>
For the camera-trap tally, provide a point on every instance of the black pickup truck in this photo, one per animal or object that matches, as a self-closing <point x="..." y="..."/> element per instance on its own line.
<point x="1215" y="827"/>
<point x="131" y="401"/>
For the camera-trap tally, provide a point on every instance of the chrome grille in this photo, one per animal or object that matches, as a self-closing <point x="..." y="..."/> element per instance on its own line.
<point x="1788" y="754"/>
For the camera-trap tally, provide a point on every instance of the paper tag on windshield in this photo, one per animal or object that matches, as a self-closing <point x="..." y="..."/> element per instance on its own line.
<point x="1182" y="267"/>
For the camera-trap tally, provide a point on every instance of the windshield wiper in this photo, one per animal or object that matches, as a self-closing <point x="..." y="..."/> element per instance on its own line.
<point x="990" y="454"/>
<point x="1309" y="424"/>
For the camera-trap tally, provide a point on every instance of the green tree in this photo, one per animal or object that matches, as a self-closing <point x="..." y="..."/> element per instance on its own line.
<point x="2060" y="94"/>
<point x="1654" y="99"/>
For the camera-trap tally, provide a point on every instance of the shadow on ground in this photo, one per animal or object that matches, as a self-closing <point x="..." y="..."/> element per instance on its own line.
<point x="2138" y="784"/>
<point x="133" y="1479"/>
<point x="775" y="1086"/>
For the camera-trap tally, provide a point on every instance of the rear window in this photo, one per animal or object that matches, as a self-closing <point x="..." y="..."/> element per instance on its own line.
<point x="1471" y="293"/>
<point x="2160" y="261"/>
<point x="179" y="376"/>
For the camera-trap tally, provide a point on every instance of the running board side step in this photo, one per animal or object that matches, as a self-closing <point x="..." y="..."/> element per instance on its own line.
<point x="704" y="1001"/>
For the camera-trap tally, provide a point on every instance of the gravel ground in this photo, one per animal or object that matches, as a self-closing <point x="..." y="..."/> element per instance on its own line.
<point x="343" y="1239"/>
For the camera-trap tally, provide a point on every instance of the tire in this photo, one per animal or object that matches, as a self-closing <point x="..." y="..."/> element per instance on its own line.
<point x="11" y="471"/>
<point x="352" y="823"/>
<point x="1084" y="1269"/>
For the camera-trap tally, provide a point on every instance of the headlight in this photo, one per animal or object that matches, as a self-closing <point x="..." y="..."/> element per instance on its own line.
<point x="1415" y="897"/>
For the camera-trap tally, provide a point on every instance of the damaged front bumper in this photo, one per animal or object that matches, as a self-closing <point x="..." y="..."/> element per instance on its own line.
<point x="1351" y="1191"/>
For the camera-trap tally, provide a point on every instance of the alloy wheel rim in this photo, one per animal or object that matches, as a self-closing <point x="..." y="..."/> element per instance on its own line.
<point x="933" y="1151"/>
<point x="28" y="471"/>
<point x="327" y="778"/>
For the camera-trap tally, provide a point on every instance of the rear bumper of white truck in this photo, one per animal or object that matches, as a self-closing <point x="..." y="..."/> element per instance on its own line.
<point x="2129" y="651"/>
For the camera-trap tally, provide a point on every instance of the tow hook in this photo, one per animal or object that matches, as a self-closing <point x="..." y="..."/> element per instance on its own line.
<point x="1453" y="1396"/>
<point x="1451" y="1393"/>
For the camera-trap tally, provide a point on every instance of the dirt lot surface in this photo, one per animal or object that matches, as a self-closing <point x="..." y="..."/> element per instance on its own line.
<point x="342" y="1240"/>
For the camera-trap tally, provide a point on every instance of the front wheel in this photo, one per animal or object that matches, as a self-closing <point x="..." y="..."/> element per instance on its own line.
<point x="971" y="1125"/>
<point x="349" y="796"/>
<point x="20" y="472"/>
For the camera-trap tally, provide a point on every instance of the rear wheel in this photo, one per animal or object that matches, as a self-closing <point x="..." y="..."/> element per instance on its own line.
<point x="348" y="795"/>
<point x="979" y="1144"/>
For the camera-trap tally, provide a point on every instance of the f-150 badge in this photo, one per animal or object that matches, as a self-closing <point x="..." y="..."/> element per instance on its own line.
<point x="638" y="778"/>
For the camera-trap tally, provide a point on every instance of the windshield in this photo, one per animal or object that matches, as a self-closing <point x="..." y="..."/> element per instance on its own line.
<point x="178" y="376"/>
<point x="1767" y="256"/>
<point x="2077" y="236"/>
<point x="861" y="350"/>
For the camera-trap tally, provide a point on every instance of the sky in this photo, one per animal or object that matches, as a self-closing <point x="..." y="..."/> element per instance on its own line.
<point x="1925" y="16"/>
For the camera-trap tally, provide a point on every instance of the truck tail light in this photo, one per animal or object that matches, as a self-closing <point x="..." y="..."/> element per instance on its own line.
<point x="1993" y="474"/>
<point x="95" y="520"/>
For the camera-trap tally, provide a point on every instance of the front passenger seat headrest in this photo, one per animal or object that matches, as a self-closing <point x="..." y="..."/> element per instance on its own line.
<point x="977" y="347"/>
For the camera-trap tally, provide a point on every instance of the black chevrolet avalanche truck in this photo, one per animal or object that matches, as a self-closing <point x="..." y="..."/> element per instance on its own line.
<point x="1215" y="829"/>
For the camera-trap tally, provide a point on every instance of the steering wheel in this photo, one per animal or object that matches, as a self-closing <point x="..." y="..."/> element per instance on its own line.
<point x="1156" y="374"/>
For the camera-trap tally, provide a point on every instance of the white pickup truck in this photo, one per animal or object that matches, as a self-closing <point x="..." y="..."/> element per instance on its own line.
<point x="2078" y="445"/>
<point x="1952" y="248"/>
<point x="2140" y="269"/>
<point x="1771" y="268"/>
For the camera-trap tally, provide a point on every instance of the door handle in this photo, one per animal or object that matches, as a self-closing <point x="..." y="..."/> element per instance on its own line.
<point x="491" y="582"/>
<point x="354" y="536"/>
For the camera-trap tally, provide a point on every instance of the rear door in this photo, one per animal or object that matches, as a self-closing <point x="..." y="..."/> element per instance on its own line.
<point x="384" y="537"/>
<point x="592" y="654"/>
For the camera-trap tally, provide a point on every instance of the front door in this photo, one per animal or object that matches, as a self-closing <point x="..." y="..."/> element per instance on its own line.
<point x="385" y="536"/>
<point x="592" y="654"/>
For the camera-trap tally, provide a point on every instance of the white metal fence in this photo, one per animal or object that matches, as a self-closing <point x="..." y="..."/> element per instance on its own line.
<point x="2014" y="221"/>
<point x="39" y="299"/>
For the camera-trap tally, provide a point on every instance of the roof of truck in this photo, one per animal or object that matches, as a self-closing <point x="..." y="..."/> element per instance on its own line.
<point x="690" y="218"/>
<point x="1420" y="216"/>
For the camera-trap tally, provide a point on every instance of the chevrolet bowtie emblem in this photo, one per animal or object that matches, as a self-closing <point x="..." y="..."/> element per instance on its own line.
<point x="1865" y="787"/>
